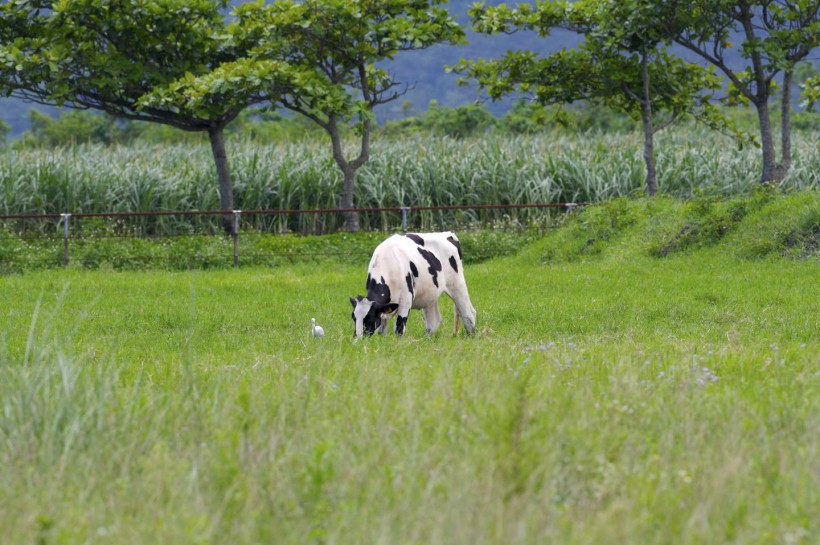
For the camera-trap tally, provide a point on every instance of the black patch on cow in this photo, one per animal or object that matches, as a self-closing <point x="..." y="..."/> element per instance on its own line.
<point x="409" y="279"/>
<point x="401" y="321"/>
<point x="372" y="320"/>
<point x="415" y="238"/>
<point x="414" y="270"/>
<point x="453" y="263"/>
<point x="435" y="264"/>
<point x="378" y="292"/>
<point x="457" y="244"/>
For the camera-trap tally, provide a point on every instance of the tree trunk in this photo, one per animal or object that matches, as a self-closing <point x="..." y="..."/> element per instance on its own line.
<point x="785" y="128"/>
<point x="348" y="169"/>
<point x="351" y="217"/>
<point x="223" y="174"/>
<point x="649" y="156"/>
<point x="648" y="130"/>
<point x="766" y="142"/>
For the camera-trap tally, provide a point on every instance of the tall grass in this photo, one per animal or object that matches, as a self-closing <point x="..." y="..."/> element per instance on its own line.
<point x="403" y="171"/>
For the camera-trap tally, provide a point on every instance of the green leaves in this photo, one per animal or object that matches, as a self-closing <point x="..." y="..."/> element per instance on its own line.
<point x="606" y="67"/>
<point x="811" y="92"/>
<point x="107" y="54"/>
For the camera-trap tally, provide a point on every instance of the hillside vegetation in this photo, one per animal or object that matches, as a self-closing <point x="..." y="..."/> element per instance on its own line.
<point x="765" y="223"/>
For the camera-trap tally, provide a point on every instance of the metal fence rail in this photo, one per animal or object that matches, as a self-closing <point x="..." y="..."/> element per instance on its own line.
<point x="65" y="219"/>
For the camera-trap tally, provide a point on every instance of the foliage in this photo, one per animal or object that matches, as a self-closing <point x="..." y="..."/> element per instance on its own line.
<point x="77" y="56"/>
<point x="605" y="67"/>
<point x="555" y="166"/>
<point x="77" y="127"/>
<point x="811" y="92"/>
<point x="776" y="37"/>
<point x="267" y="125"/>
<point x="458" y="122"/>
<point x="71" y="128"/>
<point x="807" y="77"/>
<point x="336" y="45"/>
<point x="528" y="117"/>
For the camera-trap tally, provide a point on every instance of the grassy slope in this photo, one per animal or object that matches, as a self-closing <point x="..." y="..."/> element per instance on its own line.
<point x="609" y="397"/>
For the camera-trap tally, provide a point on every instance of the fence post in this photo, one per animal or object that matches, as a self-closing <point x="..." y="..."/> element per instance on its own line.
<point x="404" y="211"/>
<point x="235" y="236"/>
<point x="570" y="206"/>
<point x="65" y="238"/>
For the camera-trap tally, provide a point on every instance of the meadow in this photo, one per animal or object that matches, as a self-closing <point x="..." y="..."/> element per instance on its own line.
<point x="647" y="373"/>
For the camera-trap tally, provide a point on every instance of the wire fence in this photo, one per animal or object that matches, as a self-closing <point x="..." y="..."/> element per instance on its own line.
<point x="65" y="229"/>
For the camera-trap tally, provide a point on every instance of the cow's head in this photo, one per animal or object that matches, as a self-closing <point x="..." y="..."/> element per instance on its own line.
<point x="369" y="315"/>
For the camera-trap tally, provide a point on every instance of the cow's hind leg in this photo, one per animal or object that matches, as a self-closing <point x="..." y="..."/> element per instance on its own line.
<point x="465" y="309"/>
<point x="432" y="317"/>
<point x="456" y="319"/>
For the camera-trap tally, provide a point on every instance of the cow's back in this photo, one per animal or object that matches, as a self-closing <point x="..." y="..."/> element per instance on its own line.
<point x="424" y="264"/>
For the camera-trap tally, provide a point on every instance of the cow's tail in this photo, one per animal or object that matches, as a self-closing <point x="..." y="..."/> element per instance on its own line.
<point x="457" y="320"/>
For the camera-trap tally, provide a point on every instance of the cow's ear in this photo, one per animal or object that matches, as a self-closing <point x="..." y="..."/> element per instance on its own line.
<point x="353" y="302"/>
<point x="389" y="309"/>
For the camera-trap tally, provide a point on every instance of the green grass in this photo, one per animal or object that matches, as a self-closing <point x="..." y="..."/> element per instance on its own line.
<point x="608" y="397"/>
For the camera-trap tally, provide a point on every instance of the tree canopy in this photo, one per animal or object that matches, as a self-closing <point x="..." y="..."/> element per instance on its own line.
<point x="622" y="63"/>
<point x="108" y="54"/>
<point x="772" y="37"/>
<point x="339" y="45"/>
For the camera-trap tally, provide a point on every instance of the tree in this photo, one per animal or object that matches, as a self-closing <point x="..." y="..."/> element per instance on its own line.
<point x="333" y="47"/>
<point x="459" y="122"/>
<point x="107" y="54"/>
<point x="774" y="36"/>
<point x="73" y="127"/>
<point x="622" y="63"/>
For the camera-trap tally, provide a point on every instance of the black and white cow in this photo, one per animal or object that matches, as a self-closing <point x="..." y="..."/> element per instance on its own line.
<point x="412" y="271"/>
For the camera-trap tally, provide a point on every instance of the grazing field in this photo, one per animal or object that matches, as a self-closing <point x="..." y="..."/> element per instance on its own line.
<point x="608" y="397"/>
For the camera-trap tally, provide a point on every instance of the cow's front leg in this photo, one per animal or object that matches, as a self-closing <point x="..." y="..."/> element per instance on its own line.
<point x="432" y="317"/>
<point x="401" y="323"/>
<point x="401" y="316"/>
